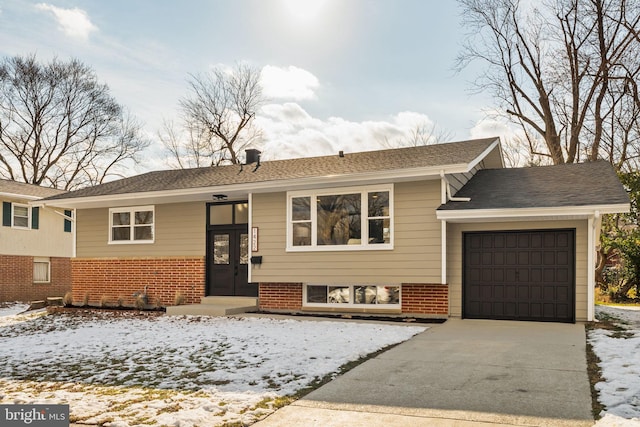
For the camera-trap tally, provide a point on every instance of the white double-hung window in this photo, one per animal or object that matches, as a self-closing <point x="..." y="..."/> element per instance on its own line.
<point x="132" y="224"/>
<point x="340" y="219"/>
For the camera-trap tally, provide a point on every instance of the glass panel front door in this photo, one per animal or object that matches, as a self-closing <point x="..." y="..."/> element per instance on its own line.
<point x="228" y="262"/>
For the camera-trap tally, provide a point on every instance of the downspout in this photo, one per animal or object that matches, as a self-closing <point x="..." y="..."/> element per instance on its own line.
<point x="444" y="192"/>
<point x="450" y="198"/>
<point x="594" y="225"/>
<point x="445" y="196"/>
<point x="250" y="237"/>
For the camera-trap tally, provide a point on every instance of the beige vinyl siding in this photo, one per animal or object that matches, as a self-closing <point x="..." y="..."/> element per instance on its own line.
<point x="49" y="240"/>
<point x="458" y="180"/>
<point x="415" y="257"/>
<point x="454" y="257"/>
<point x="180" y="230"/>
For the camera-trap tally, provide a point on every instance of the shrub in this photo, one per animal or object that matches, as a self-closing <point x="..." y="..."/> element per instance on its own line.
<point x="179" y="299"/>
<point x="67" y="300"/>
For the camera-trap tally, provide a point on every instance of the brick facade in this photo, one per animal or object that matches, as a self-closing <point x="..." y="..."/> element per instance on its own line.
<point x="16" y="279"/>
<point x="419" y="299"/>
<point x="280" y="296"/>
<point x="112" y="282"/>
<point x="425" y="299"/>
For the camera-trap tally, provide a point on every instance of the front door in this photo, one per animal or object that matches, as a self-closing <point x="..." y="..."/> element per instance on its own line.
<point x="228" y="262"/>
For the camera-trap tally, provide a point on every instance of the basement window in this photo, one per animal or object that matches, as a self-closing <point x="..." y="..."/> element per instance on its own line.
<point x="352" y="296"/>
<point x="41" y="270"/>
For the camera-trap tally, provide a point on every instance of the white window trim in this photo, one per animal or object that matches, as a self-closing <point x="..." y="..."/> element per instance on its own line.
<point x="364" y="245"/>
<point x="132" y="210"/>
<point x="43" y="261"/>
<point x="13" y="216"/>
<point x="350" y="305"/>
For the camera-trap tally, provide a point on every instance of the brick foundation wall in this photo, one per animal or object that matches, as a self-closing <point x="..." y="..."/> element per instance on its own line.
<point x="422" y="299"/>
<point x="425" y="299"/>
<point x="280" y="296"/>
<point x="106" y="281"/>
<point x="16" y="279"/>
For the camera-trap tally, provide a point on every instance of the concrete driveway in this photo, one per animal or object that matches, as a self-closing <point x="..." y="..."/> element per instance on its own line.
<point x="460" y="373"/>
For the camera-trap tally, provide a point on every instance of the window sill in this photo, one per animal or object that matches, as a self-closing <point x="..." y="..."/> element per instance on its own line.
<point x="131" y="242"/>
<point x="340" y="248"/>
<point x="345" y="308"/>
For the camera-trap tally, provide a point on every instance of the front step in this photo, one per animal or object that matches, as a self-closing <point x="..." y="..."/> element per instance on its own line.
<point x="224" y="300"/>
<point x="215" y="306"/>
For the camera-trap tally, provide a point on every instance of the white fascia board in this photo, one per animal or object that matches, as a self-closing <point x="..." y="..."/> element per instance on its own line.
<point x="484" y="154"/>
<point x="568" y="211"/>
<point x="19" y="196"/>
<point x="204" y="193"/>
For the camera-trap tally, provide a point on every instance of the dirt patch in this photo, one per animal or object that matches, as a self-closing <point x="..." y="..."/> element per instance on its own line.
<point x="594" y="371"/>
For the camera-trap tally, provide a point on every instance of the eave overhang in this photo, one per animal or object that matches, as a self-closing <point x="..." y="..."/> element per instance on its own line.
<point x="523" y="214"/>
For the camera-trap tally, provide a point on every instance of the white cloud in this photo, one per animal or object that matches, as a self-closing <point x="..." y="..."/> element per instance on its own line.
<point x="74" y="23"/>
<point x="288" y="83"/>
<point x="289" y="132"/>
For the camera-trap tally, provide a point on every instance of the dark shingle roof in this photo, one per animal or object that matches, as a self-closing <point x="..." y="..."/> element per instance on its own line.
<point x="22" y="189"/>
<point x="594" y="183"/>
<point x="370" y="161"/>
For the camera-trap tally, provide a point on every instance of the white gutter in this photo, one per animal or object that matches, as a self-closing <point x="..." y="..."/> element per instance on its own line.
<point x="593" y="240"/>
<point x="250" y="236"/>
<point x="475" y="214"/>
<point x="19" y="196"/>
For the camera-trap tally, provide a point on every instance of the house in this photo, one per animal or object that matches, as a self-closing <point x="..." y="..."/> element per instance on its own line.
<point x="434" y="231"/>
<point x="36" y="244"/>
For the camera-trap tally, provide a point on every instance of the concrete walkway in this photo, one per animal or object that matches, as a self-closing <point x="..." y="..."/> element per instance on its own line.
<point x="461" y="373"/>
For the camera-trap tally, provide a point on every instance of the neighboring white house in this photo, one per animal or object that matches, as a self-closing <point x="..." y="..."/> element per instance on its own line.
<point x="36" y="244"/>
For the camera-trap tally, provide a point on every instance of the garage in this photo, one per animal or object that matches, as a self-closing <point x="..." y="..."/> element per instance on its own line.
<point x="519" y="275"/>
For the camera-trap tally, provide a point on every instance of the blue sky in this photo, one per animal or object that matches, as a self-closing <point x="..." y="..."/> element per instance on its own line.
<point x="340" y="74"/>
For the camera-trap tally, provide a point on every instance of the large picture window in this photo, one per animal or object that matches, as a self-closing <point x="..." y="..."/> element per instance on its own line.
<point x="131" y="225"/>
<point x="340" y="219"/>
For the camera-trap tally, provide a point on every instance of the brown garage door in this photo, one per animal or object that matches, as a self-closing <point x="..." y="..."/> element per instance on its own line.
<point x="519" y="275"/>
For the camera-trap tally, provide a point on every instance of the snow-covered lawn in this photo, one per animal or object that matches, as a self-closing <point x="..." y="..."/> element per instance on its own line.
<point x="619" y="353"/>
<point x="131" y="369"/>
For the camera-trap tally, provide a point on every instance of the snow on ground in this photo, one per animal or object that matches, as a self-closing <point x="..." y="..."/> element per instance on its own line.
<point x="619" y="353"/>
<point x="14" y="312"/>
<point x="132" y="369"/>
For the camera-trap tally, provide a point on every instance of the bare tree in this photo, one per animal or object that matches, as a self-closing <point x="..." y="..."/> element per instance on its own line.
<point x="218" y="118"/>
<point x="558" y="70"/>
<point x="422" y="133"/>
<point x="60" y="127"/>
<point x="188" y="147"/>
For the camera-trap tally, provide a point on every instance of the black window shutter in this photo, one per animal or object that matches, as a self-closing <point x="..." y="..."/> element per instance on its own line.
<point x="6" y="214"/>
<point x="35" y="218"/>
<point x="67" y="223"/>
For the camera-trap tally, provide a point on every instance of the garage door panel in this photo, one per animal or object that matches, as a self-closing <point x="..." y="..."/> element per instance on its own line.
<point x="523" y="275"/>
